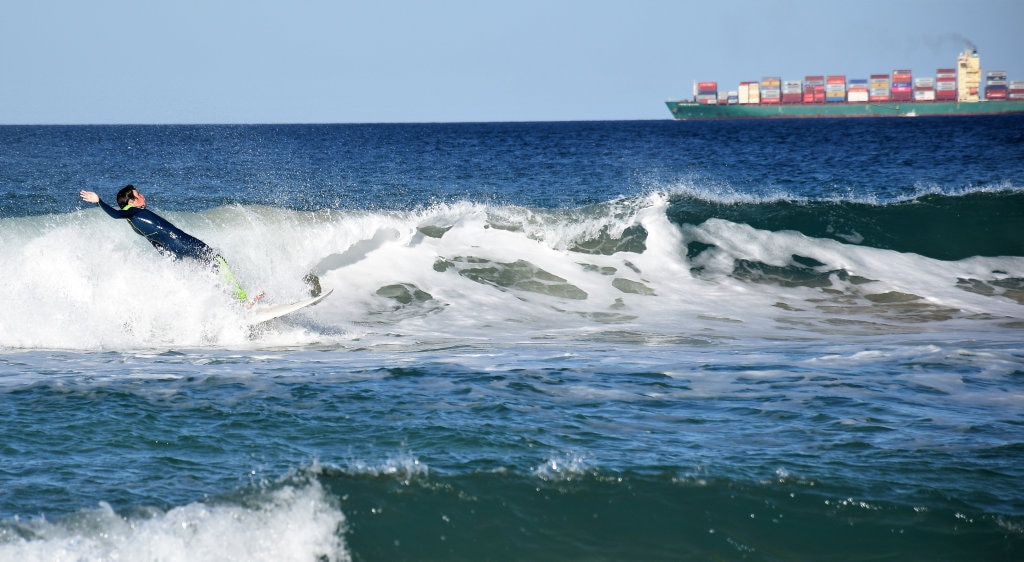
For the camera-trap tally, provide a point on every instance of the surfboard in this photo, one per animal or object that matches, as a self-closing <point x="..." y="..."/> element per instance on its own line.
<point x="260" y="314"/>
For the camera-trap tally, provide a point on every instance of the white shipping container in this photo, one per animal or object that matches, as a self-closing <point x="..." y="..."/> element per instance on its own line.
<point x="748" y="94"/>
<point x="924" y="95"/>
<point x="857" y="96"/>
<point x="924" y="82"/>
<point x="945" y="86"/>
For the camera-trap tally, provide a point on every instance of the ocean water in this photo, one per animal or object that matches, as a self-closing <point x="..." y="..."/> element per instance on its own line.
<point x="786" y="340"/>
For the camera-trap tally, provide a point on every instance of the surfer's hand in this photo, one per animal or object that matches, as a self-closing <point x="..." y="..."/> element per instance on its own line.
<point x="89" y="196"/>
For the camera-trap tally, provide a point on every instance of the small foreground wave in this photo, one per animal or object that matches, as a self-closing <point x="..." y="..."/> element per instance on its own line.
<point x="568" y="509"/>
<point x="292" y="522"/>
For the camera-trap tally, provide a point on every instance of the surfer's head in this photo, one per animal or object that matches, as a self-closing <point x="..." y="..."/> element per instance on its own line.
<point x="129" y="196"/>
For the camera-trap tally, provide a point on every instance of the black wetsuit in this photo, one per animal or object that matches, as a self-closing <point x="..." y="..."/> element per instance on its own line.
<point x="172" y="241"/>
<point x="163" y="235"/>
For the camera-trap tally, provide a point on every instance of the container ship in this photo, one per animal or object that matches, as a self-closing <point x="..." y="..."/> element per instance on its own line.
<point x="951" y="91"/>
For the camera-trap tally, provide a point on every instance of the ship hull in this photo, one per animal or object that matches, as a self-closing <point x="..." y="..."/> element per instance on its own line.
<point x="684" y="110"/>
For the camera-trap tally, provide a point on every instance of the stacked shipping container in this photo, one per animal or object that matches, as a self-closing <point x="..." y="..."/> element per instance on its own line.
<point x="771" y="90"/>
<point x="1016" y="90"/>
<point x="792" y="91"/>
<point x="902" y="85"/>
<point x="995" y="85"/>
<point x="879" y="90"/>
<point x="857" y="90"/>
<point x="835" y="88"/>
<point x="945" y="84"/>
<point x="750" y="92"/>
<point x="707" y="92"/>
<point x="814" y="89"/>
<point x="924" y="89"/>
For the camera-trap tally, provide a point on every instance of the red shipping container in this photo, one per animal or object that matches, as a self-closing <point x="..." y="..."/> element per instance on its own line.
<point x="791" y="98"/>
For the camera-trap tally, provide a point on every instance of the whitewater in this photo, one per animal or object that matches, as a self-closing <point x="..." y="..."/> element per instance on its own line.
<point x="470" y="267"/>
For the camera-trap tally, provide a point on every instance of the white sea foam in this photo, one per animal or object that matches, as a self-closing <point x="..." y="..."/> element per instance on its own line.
<point x="462" y="271"/>
<point x="290" y="523"/>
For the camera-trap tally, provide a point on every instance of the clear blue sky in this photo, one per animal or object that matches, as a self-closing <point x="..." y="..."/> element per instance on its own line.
<point x="323" y="61"/>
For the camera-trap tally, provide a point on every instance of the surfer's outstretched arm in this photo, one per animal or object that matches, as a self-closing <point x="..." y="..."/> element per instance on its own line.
<point x="92" y="197"/>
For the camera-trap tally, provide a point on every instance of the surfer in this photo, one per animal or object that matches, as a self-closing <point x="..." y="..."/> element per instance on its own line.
<point x="164" y="236"/>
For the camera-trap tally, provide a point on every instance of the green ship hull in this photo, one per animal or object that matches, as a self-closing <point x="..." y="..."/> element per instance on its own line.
<point x="686" y="110"/>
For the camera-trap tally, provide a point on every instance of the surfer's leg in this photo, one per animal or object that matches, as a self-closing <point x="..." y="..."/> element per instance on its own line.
<point x="229" y="279"/>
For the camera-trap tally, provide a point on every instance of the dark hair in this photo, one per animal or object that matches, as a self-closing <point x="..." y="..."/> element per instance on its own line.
<point x="125" y="195"/>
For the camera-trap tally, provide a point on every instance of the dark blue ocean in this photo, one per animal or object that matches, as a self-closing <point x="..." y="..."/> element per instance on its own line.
<point x="657" y="340"/>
